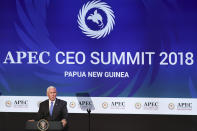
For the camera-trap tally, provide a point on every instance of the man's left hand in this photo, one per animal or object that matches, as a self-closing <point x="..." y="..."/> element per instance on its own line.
<point x="64" y="122"/>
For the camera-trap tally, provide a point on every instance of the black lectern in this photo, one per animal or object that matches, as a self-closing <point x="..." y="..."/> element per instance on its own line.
<point x="51" y="126"/>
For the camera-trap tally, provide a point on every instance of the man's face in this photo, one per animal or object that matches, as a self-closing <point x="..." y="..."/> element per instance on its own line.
<point x="52" y="94"/>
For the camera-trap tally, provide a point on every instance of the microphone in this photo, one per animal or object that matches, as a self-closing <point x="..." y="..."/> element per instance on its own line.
<point x="88" y="110"/>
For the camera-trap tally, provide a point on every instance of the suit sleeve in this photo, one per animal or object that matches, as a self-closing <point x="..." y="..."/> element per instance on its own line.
<point x="65" y="111"/>
<point x="42" y="113"/>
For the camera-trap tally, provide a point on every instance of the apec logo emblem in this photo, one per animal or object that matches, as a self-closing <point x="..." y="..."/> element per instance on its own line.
<point x="17" y="103"/>
<point x="72" y="104"/>
<point x="96" y="19"/>
<point x="8" y="103"/>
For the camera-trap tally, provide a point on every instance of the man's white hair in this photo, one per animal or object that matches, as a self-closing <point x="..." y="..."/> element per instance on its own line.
<point x="50" y="87"/>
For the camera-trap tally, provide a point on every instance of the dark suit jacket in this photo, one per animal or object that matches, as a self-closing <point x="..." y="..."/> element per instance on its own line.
<point x="59" y="111"/>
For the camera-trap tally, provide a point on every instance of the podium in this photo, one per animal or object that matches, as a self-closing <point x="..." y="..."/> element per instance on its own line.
<point x="51" y="126"/>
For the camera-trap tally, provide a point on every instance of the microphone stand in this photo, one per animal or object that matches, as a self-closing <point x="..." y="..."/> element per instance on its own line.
<point x="89" y="111"/>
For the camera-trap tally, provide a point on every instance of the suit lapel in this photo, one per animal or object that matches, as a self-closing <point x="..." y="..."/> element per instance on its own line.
<point x="47" y="109"/>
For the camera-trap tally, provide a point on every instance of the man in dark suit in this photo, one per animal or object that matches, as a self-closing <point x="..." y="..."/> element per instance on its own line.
<point x="53" y="109"/>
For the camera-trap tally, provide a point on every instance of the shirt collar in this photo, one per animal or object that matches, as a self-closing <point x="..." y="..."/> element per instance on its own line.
<point x="52" y="101"/>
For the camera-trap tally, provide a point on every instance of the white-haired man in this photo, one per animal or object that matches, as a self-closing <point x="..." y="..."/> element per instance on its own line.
<point x="53" y="109"/>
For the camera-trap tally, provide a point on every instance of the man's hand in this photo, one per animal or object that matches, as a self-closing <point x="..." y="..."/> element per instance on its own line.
<point x="64" y="122"/>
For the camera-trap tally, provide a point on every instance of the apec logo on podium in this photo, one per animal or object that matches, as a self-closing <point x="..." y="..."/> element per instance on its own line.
<point x="181" y="106"/>
<point x="184" y="106"/>
<point x="85" y="103"/>
<point x="114" y="105"/>
<point x="73" y="104"/>
<point x="17" y="103"/>
<point x="149" y="105"/>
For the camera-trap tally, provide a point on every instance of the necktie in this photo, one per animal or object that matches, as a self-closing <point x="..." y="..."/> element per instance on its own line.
<point x="51" y="108"/>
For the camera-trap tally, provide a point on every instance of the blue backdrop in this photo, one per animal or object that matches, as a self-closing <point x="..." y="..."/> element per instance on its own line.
<point x="140" y="26"/>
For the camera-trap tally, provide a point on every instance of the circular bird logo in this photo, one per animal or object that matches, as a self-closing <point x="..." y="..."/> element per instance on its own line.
<point x="96" y="19"/>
